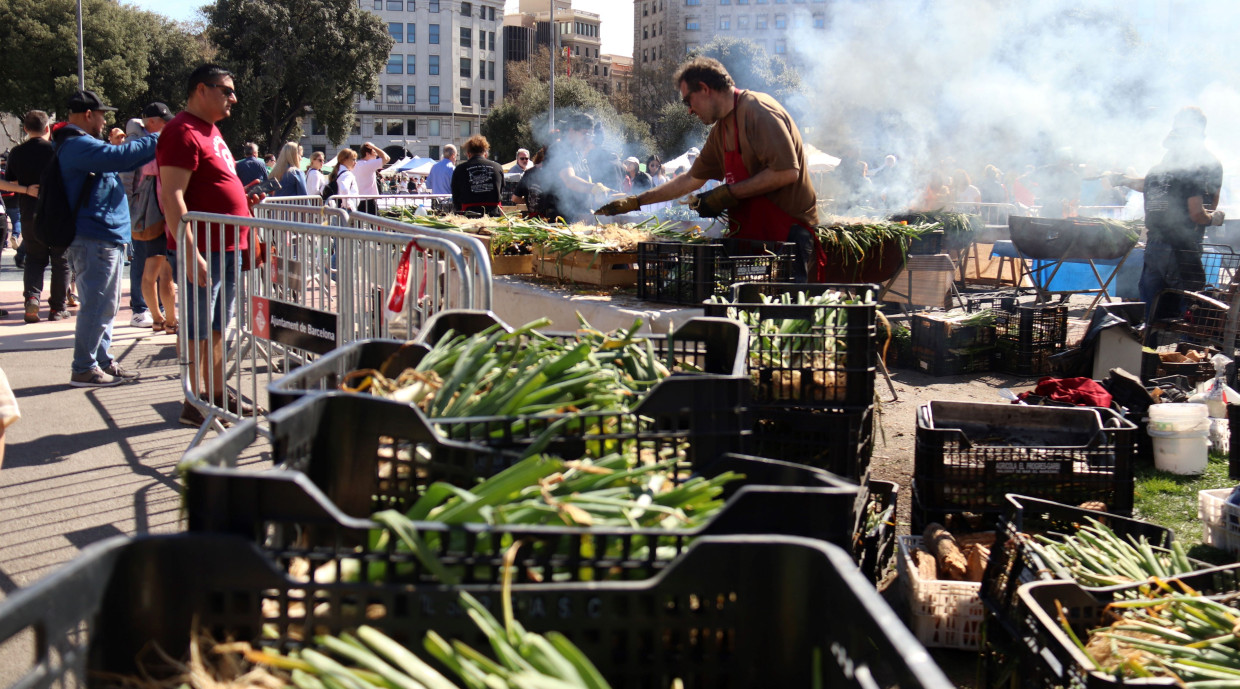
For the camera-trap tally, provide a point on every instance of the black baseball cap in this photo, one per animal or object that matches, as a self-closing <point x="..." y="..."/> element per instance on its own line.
<point x="580" y="121"/>
<point x="157" y="109"/>
<point x="85" y="101"/>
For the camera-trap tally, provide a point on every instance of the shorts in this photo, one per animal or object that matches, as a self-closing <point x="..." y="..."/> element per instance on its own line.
<point x="154" y="247"/>
<point x="196" y="316"/>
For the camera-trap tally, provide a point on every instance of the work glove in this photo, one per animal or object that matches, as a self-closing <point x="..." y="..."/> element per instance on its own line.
<point x="713" y="203"/>
<point x="628" y="204"/>
<point x="1217" y="217"/>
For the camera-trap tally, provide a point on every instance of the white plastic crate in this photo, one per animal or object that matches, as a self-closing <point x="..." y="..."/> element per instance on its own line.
<point x="1219" y="520"/>
<point x="943" y="614"/>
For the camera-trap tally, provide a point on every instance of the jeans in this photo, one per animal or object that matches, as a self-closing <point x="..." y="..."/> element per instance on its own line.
<point x="98" y="264"/>
<point x="803" y="265"/>
<point x="202" y="304"/>
<point x="15" y="215"/>
<point x="38" y="256"/>
<point x="1168" y="267"/>
<point x="137" y="265"/>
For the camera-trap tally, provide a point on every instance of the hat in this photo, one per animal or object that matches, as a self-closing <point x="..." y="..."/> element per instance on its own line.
<point x="85" y="101"/>
<point x="157" y="109"/>
<point x="134" y="128"/>
<point x="633" y="159"/>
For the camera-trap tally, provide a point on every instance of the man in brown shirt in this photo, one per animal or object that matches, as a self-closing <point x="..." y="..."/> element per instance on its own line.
<point x="755" y="148"/>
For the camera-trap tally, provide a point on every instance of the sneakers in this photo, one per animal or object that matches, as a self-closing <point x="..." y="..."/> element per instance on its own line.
<point x="114" y="369"/>
<point x="32" y="310"/>
<point x="59" y="316"/>
<point x="190" y="416"/>
<point x="71" y="301"/>
<point x="94" y="378"/>
<point x="142" y="320"/>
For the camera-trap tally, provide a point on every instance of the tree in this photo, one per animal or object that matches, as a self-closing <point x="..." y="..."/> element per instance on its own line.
<point x="676" y="129"/>
<point x="289" y="57"/>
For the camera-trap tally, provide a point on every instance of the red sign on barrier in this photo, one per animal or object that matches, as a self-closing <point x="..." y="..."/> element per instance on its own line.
<point x="261" y="311"/>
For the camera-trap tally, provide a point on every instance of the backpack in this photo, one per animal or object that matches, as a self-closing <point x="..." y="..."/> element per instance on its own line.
<point x="330" y="189"/>
<point x="55" y="222"/>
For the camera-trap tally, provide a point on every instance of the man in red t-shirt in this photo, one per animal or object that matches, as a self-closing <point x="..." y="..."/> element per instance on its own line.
<point x="196" y="170"/>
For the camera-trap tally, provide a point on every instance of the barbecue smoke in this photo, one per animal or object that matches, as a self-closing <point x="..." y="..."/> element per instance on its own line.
<point x="967" y="83"/>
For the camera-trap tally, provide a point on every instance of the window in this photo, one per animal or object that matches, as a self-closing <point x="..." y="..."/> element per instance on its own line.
<point x="725" y="23"/>
<point x="434" y="34"/>
<point x="434" y="99"/>
<point x="392" y="95"/>
<point x="396" y="64"/>
<point x="604" y="71"/>
<point x="761" y="22"/>
<point x="725" y="2"/>
<point x="781" y="21"/>
<point x="742" y="22"/>
<point x="467" y="37"/>
<point x="467" y="67"/>
<point x="491" y="40"/>
<point x="378" y="4"/>
<point x="466" y="9"/>
<point x="482" y="99"/>
<point x="357" y="127"/>
<point x="693" y="2"/>
<point x="395" y="5"/>
<point x="411" y="98"/>
<point x="645" y="33"/>
<point x="691" y="24"/>
<point x="491" y="97"/>
<point x="397" y="31"/>
<point x="820" y="20"/>
<point x="661" y="28"/>
<point x="465" y="97"/>
<point x="482" y="69"/>
<point x="798" y="21"/>
<point x="433" y="128"/>
<point x="379" y="127"/>
<point x="317" y="128"/>
<point x="645" y="9"/>
<point x="645" y="55"/>
<point x="465" y="129"/>
<point x="434" y="65"/>
<point x="433" y="151"/>
<point x="411" y="127"/>
<point x="596" y="70"/>
<point x="395" y="127"/>
<point x="411" y="64"/>
<point x="319" y="148"/>
<point x="411" y="33"/>
<point x="491" y="70"/>
<point x="434" y="6"/>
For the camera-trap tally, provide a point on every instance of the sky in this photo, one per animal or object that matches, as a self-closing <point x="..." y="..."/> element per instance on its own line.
<point x="617" y="18"/>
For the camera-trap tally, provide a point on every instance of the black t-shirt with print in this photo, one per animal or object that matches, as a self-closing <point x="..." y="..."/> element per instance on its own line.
<point x="477" y="180"/>
<point x="1168" y="187"/>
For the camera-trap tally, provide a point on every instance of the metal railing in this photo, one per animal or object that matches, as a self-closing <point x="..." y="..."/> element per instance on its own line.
<point x="384" y="202"/>
<point x="309" y="289"/>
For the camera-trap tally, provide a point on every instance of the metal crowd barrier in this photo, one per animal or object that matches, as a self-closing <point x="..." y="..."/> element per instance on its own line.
<point x="313" y="288"/>
<point x="307" y="209"/>
<point x="385" y="202"/>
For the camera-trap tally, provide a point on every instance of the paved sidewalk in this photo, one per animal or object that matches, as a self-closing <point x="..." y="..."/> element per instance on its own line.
<point x="83" y="465"/>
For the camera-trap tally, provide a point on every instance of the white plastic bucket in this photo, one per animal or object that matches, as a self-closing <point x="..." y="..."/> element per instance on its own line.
<point x="1181" y="437"/>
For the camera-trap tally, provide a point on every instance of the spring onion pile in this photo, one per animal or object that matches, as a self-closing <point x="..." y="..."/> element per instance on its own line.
<point x="1182" y="635"/>
<point x="851" y="240"/>
<point x="1096" y="556"/>
<point x="525" y="372"/>
<point x="796" y="356"/>
<point x="958" y="228"/>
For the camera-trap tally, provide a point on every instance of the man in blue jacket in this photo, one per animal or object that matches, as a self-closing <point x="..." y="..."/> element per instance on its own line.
<point x="90" y="165"/>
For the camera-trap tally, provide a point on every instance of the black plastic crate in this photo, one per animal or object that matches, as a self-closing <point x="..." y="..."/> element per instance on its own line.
<point x="932" y="331"/>
<point x="1036" y="360"/>
<point x="837" y="440"/>
<point x="1033" y="326"/>
<point x="1012" y="564"/>
<point x="928" y="244"/>
<point x="714" y="346"/>
<point x="296" y="523"/>
<point x="956" y="362"/>
<point x="995" y="302"/>
<point x="1050" y="657"/>
<point x="970" y="455"/>
<point x="678" y="273"/>
<point x="955" y="519"/>
<point x="831" y="365"/>
<point x="873" y="548"/>
<point x="733" y="612"/>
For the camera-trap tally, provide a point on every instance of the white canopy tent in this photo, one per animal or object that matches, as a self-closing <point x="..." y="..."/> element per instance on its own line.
<point x="819" y="161"/>
<point x="394" y="167"/>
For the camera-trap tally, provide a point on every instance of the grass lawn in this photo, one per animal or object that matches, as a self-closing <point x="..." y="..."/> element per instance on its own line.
<point x="1170" y="500"/>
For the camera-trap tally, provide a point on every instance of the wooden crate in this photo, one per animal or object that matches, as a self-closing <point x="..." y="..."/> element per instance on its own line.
<point x="605" y="269"/>
<point x="504" y="264"/>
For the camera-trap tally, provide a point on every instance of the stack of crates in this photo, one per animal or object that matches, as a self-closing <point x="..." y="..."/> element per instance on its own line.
<point x="812" y="391"/>
<point x="944" y="347"/>
<point x="1028" y="336"/>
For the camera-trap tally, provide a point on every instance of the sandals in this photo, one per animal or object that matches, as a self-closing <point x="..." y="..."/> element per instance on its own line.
<point x="171" y="328"/>
<point x="157" y="326"/>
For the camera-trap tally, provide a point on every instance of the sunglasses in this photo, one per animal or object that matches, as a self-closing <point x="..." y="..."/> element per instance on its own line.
<point x="523" y="159"/>
<point x="688" y="95"/>
<point x="226" y="90"/>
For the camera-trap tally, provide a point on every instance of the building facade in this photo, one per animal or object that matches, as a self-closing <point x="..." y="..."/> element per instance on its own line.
<point x="443" y="75"/>
<point x="665" y="30"/>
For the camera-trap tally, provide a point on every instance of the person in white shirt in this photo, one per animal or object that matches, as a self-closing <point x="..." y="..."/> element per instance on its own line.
<point x="342" y="175"/>
<point x="315" y="179"/>
<point x="366" y="171"/>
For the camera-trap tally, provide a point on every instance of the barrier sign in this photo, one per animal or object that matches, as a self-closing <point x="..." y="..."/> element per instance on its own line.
<point x="295" y="326"/>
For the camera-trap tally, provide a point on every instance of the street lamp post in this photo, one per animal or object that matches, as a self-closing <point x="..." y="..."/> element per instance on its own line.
<point x="81" y="50"/>
<point x="555" y="35"/>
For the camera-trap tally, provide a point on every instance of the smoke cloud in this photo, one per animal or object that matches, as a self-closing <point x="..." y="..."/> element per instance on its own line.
<point x="966" y="83"/>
